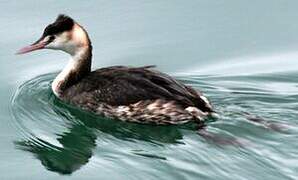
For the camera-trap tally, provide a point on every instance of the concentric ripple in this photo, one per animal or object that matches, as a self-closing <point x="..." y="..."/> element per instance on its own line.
<point x="65" y="139"/>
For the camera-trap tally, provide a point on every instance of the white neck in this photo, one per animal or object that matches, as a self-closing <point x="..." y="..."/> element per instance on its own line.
<point x="77" y="66"/>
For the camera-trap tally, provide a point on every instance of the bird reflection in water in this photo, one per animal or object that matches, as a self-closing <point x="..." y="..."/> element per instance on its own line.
<point x="78" y="142"/>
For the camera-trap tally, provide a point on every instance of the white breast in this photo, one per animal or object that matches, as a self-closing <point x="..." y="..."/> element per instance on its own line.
<point x="72" y="66"/>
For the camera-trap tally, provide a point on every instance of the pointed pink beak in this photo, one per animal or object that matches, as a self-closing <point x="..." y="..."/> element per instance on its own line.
<point x="35" y="46"/>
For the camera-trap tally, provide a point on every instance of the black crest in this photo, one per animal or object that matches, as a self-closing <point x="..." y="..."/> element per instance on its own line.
<point x="62" y="23"/>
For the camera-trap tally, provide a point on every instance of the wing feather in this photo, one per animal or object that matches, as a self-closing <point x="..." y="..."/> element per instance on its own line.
<point x="120" y="85"/>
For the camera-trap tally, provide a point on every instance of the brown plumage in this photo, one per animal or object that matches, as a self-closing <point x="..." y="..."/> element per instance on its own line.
<point x="130" y="93"/>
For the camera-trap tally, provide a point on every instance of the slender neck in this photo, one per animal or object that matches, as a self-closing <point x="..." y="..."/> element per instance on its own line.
<point x="78" y="66"/>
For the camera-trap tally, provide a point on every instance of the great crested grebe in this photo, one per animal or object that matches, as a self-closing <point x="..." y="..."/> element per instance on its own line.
<point x="138" y="94"/>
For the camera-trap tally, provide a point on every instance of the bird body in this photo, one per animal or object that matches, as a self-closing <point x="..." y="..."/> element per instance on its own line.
<point x="135" y="94"/>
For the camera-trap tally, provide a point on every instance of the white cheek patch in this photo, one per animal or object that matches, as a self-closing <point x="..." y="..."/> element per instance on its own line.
<point x="60" y="41"/>
<point x="70" y="41"/>
<point x="63" y="38"/>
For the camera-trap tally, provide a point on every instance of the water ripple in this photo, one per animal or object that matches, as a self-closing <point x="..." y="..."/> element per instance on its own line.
<point x="64" y="138"/>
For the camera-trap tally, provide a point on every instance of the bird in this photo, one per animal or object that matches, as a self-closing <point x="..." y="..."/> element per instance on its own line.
<point x="132" y="94"/>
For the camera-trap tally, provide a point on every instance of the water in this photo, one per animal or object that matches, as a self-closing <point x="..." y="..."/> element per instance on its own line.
<point x="242" y="55"/>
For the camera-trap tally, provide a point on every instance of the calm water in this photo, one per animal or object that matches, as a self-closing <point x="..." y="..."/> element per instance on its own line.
<point x="242" y="54"/>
